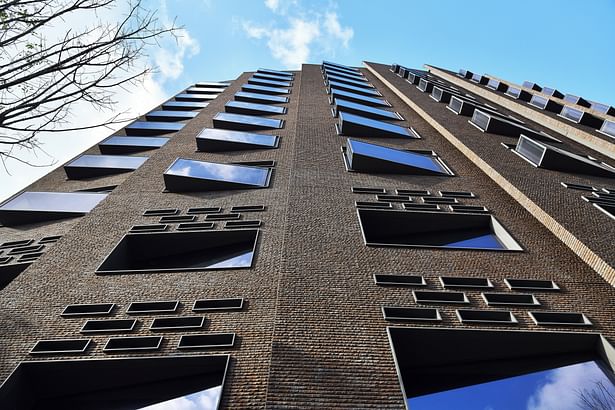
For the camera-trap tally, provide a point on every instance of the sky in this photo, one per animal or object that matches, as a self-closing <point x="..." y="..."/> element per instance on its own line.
<point x="563" y="44"/>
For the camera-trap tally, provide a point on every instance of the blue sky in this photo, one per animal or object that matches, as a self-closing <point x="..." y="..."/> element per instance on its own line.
<point x="563" y="44"/>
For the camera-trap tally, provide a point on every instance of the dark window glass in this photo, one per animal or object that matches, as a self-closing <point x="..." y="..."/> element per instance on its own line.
<point x="412" y="159"/>
<point x="262" y="81"/>
<point x="345" y="67"/>
<point x="257" y="97"/>
<point x="271" y="77"/>
<point x="248" y="107"/>
<point x="265" y="89"/>
<point x="238" y="174"/>
<point x="182" y="251"/>
<point x="433" y="229"/>
<point x="362" y="109"/>
<point x="345" y="74"/>
<point x="239" y="121"/>
<point x="238" y="137"/>
<point x="356" y="125"/>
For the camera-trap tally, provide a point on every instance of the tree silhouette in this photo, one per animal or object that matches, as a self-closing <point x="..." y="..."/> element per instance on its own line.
<point x="41" y="79"/>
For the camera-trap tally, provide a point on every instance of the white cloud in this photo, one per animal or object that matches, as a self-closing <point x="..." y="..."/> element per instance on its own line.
<point x="304" y="34"/>
<point x="170" y="60"/>
<point x="561" y="392"/>
<point x="334" y="28"/>
<point x="272" y="4"/>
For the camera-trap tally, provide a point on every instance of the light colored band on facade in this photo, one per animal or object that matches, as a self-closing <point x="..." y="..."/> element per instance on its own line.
<point x="590" y="141"/>
<point x="586" y="254"/>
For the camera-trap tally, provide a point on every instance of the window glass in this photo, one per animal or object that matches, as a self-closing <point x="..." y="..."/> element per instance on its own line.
<point x="578" y="386"/>
<point x="360" y="90"/>
<point x="202" y="400"/>
<point x="358" y="83"/>
<point x="539" y="101"/>
<point x="246" y="120"/>
<point x="189" y="105"/>
<point x="608" y="127"/>
<point x="108" y="161"/>
<point x="344" y="105"/>
<point x="195" y="97"/>
<point x="571" y="114"/>
<point x="148" y="126"/>
<point x="272" y="109"/>
<point x="271" y="77"/>
<point x="247" y="96"/>
<point x="220" y="172"/>
<point x="204" y="90"/>
<point x="274" y="72"/>
<point x="571" y="98"/>
<point x="238" y="136"/>
<point x="265" y="89"/>
<point x="515" y="92"/>
<point x="263" y="81"/>
<point x="361" y="98"/>
<point x="54" y="202"/>
<point x="184" y="115"/>
<point x="394" y="155"/>
<point x="347" y="119"/>
<point x="345" y="74"/>
<point x="212" y="84"/>
<point x="345" y="67"/>
<point x="603" y="108"/>
<point x="530" y="150"/>
<point x="135" y="141"/>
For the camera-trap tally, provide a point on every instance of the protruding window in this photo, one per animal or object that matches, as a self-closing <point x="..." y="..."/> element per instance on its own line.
<point x="204" y="90"/>
<point x="365" y="157"/>
<point x="274" y="72"/>
<point x="342" y="73"/>
<point x="531" y="86"/>
<point x="152" y="127"/>
<point x="117" y="144"/>
<point x="125" y="344"/>
<point x="90" y="166"/>
<point x="170" y="115"/>
<point x="340" y="105"/>
<point x="204" y="305"/>
<point x="370" y="92"/>
<point x="363" y="83"/>
<point x="480" y="79"/>
<point x="260" y="98"/>
<point x="399" y="280"/>
<point x="212" y="84"/>
<point x="358" y="98"/>
<point x="560" y="319"/>
<point x="432" y="296"/>
<point x="181" y="251"/>
<point x="580" y="117"/>
<point x="552" y="92"/>
<point x="465" y="73"/>
<point x="165" y="306"/>
<point x="109" y="326"/>
<point x="608" y="128"/>
<point x="531" y="284"/>
<point x="185" y="97"/>
<point x="271" y="77"/>
<point x="575" y="99"/>
<point x="60" y="346"/>
<point x="183" y="105"/>
<point x="264" y="89"/>
<point x="546" y="104"/>
<point x="269" y="83"/>
<point x="241" y="122"/>
<point x="603" y="108"/>
<point x="177" y="323"/>
<point x="465" y="282"/>
<point x="186" y="175"/>
<point x="495" y="124"/>
<point x="31" y="207"/>
<point x="434" y="230"/>
<point x="88" y="309"/>
<point x="510" y="299"/>
<point x="518" y="94"/>
<point x="242" y="107"/>
<point x="497" y="85"/>
<point x="205" y="341"/>
<point x="547" y="156"/>
<point x="399" y="313"/>
<point x="215" y="140"/>
<point x="357" y="126"/>
<point x="486" y="316"/>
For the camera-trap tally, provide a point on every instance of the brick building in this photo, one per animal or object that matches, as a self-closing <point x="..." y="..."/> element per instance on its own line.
<point x="333" y="237"/>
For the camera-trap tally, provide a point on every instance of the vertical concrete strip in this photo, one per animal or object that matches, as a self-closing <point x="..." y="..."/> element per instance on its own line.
<point x="591" y="141"/>
<point x="578" y="247"/>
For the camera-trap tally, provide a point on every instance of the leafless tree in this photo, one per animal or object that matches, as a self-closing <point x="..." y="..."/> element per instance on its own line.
<point x="600" y="397"/>
<point x="41" y="78"/>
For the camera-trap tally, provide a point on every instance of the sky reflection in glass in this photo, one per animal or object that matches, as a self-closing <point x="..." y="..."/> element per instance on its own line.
<point x="240" y="174"/>
<point x="344" y="105"/>
<point x="54" y="202"/>
<point x="263" y="81"/>
<point x="360" y="90"/>
<point x="260" y="97"/>
<point x="135" y="141"/>
<point x="369" y="123"/>
<point x="363" y="98"/>
<point x="555" y="389"/>
<point x="108" y="161"/>
<point x="395" y="155"/>
<point x="262" y="88"/>
<point x="272" y="109"/>
<point x="238" y="136"/>
<point x="248" y="120"/>
<point x="202" y="400"/>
